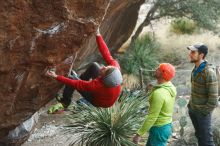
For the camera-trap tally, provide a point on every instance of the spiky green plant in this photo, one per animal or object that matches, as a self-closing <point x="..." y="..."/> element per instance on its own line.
<point x="142" y="54"/>
<point x="108" y="126"/>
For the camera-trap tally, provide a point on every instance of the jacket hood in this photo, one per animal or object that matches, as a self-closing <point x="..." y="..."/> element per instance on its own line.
<point x="168" y="86"/>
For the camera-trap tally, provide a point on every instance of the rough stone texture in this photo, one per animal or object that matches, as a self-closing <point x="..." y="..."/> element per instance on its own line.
<point x="18" y="135"/>
<point x="36" y="35"/>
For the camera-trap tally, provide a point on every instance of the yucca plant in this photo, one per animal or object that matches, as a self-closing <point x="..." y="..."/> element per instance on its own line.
<point x="108" y="126"/>
<point x="144" y="54"/>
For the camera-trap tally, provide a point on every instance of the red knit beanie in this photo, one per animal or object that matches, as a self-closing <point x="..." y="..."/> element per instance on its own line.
<point x="167" y="70"/>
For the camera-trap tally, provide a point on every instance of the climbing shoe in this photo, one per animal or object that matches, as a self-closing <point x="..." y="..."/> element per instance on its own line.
<point x="56" y="109"/>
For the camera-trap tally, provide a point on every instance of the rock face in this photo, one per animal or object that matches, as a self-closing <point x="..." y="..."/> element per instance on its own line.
<point x="36" y="35"/>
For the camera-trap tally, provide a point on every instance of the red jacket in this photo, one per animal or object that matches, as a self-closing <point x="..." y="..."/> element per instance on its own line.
<point x="102" y="96"/>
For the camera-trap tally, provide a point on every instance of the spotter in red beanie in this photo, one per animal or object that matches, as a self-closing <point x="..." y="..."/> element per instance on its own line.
<point x="168" y="71"/>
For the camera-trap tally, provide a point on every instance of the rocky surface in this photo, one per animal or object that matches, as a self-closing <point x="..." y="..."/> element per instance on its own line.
<point x="36" y="35"/>
<point x="49" y="130"/>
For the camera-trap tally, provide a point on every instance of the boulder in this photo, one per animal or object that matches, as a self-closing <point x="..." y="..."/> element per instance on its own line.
<point x="36" y="35"/>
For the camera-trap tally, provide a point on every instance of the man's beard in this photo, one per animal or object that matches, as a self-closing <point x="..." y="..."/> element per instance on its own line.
<point x="194" y="61"/>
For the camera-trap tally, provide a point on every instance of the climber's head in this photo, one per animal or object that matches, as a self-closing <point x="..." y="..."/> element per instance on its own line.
<point x="105" y="70"/>
<point x="111" y="76"/>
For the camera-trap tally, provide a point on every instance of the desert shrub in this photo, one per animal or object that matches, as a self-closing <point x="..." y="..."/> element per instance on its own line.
<point x="142" y="54"/>
<point x="183" y="26"/>
<point x="173" y="56"/>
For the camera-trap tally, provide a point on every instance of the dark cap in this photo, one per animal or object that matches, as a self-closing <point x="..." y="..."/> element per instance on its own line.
<point x="200" y="47"/>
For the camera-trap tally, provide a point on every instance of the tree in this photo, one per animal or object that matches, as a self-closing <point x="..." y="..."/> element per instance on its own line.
<point x="205" y="12"/>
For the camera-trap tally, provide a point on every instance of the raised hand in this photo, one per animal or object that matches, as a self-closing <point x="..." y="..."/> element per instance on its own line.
<point x="97" y="31"/>
<point x="136" y="139"/>
<point x="51" y="73"/>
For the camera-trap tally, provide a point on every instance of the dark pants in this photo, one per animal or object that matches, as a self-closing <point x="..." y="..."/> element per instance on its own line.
<point x="202" y="125"/>
<point x="91" y="72"/>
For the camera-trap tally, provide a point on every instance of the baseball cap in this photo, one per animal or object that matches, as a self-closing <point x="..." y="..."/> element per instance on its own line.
<point x="198" y="47"/>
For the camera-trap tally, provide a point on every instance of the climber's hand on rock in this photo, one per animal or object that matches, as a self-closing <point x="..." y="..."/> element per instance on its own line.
<point x="51" y="73"/>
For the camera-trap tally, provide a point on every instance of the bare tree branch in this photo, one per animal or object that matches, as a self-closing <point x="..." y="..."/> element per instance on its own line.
<point x="146" y="22"/>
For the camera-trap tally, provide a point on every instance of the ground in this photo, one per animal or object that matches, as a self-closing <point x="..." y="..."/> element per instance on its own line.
<point x="49" y="130"/>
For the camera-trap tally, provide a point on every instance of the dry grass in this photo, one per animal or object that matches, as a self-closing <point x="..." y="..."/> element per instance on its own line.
<point x="170" y="41"/>
<point x="130" y="81"/>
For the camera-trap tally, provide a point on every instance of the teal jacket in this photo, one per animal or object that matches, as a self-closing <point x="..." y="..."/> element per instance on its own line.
<point x="161" y="100"/>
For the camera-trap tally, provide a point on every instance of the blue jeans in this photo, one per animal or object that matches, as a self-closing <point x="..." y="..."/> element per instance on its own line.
<point x="202" y="125"/>
<point x="159" y="135"/>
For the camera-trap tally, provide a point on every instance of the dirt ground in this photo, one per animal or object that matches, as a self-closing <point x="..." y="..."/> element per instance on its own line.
<point x="49" y="129"/>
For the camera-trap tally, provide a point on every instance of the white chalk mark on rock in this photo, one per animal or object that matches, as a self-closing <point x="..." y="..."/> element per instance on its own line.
<point x="55" y="28"/>
<point x="12" y="42"/>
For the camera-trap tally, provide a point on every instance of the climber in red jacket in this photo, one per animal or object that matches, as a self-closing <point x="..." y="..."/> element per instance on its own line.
<point x="100" y="86"/>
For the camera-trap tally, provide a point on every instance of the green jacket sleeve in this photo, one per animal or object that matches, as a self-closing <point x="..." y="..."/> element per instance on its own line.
<point x="212" y="88"/>
<point x="156" y="103"/>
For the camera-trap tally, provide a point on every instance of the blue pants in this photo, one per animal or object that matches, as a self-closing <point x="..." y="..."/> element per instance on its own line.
<point x="159" y="135"/>
<point x="202" y="125"/>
